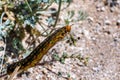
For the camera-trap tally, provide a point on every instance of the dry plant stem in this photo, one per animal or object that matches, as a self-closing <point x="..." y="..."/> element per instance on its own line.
<point x="28" y="5"/>
<point x="55" y="73"/>
<point x="57" y="17"/>
<point x="9" y="14"/>
<point x="1" y="18"/>
<point x="4" y="45"/>
<point x="3" y="56"/>
<point x="43" y="28"/>
<point x="14" y="73"/>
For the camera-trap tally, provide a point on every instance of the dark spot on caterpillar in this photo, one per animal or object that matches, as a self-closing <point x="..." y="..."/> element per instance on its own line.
<point x="78" y="38"/>
<point x="37" y="54"/>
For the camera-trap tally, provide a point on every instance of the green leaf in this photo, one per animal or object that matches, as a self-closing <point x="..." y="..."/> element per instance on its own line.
<point x="62" y="60"/>
<point x="68" y="75"/>
<point x="71" y="14"/>
<point x="65" y="55"/>
<point x="73" y="40"/>
<point x="1" y="48"/>
<point x="67" y="22"/>
<point x="17" y="44"/>
<point x="56" y="57"/>
<point x="82" y="15"/>
<point x="59" y="74"/>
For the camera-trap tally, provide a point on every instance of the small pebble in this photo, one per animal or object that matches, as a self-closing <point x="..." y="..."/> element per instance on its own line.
<point x="102" y="9"/>
<point x="118" y="22"/>
<point x="114" y="9"/>
<point x="107" y="22"/>
<point x="90" y="19"/>
<point x="95" y="69"/>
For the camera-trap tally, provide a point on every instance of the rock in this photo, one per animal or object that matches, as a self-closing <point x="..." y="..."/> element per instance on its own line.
<point x="102" y="9"/>
<point x="90" y="19"/>
<point x="112" y="9"/>
<point x="107" y="22"/>
<point x="118" y="22"/>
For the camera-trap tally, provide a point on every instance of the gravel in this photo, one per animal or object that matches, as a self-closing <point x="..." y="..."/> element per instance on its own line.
<point x="99" y="40"/>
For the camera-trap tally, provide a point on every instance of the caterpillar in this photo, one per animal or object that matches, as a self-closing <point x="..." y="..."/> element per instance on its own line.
<point x="36" y="55"/>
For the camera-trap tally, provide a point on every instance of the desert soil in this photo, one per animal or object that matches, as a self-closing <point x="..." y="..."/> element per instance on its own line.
<point x="97" y="38"/>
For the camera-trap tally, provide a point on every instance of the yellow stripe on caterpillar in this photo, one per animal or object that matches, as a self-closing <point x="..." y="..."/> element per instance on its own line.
<point x="37" y="54"/>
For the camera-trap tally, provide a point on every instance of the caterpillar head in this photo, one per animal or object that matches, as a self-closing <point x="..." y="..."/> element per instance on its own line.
<point x="68" y="28"/>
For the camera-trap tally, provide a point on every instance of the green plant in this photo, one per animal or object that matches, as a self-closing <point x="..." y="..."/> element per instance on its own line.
<point x="61" y="59"/>
<point x="18" y="17"/>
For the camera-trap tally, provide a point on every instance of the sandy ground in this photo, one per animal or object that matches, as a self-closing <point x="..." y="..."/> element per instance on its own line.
<point x="97" y="37"/>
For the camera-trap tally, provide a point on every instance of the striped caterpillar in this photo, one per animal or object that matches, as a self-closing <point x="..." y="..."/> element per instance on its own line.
<point x="37" y="54"/>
